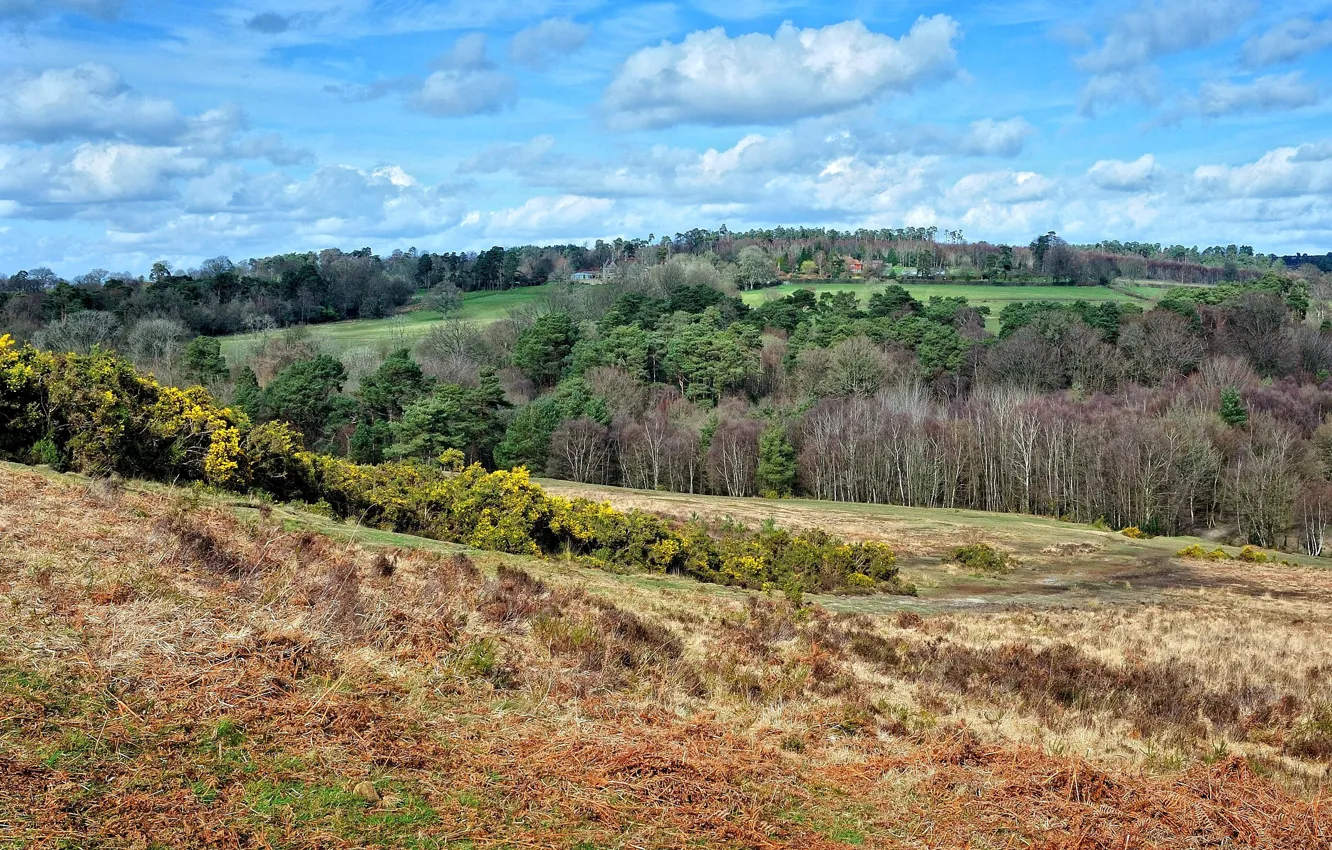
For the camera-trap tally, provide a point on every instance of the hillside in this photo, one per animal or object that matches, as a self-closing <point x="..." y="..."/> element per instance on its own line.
<point x="408" y="328"/>
<point x="179" y="669"/>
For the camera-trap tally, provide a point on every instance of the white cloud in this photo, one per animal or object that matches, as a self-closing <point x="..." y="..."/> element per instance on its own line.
<point x="1009" y="187"/>
<point x="93" y="173"/>
<point x="549" y="41"/>
<point x="1279" y="173"/>
<point x="1288" y="40"/>
<point x="547" y="216"/>
<point x="1271" y="93"/>
<point x="1142" y="85"/>
<point x="86" y="101"/>
<point x="510" y="156"/>
<point x="1157" y="28"/>
<point x="1119" y="176"/>
<point x="1315" y="152"/>
<point x="1122" y="63"/>
<point x="467" y="83"/>
<point x="988" y="137"/>
<point x="710" y="78"/>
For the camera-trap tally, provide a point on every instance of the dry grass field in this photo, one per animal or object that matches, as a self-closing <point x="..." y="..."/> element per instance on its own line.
<point x="178" y="669"/>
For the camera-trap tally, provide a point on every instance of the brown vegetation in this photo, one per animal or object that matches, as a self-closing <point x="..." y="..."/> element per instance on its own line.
<point x="173" y="675"/>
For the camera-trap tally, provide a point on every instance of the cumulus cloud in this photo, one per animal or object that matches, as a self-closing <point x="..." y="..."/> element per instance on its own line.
<point x="86" y="101"/>
<point x="1315" y="152"/>
<point x="547" y="216"/>
<point x="511" y="156"/>
<point x="1122" y="62"/>
<point x="1142" y="85"/>
<point x="549" y="41"/>
<point x="1281" y="173"/>
<point x="1286" y="41"/>
<point x="467" y="83"/>
<point x="1119" y="176"/>
<point x="1157" y="28"/>
<point x="93" y="173"/>
<point x="710" y="78"/>
<point x="1271" y="93"/>
<point x="988" y="137"/>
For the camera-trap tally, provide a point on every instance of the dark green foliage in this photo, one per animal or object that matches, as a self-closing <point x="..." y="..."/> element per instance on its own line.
<point x="544" y="350"/>
<point x="893" y="301"/>
<point x="306" y="394"/>
<point x="452" y="417"/>
<point x="983" y="558"/>
<point x="1233" y="411"/>
<point x="203" y="360"/>
<point x="776" y="474"/>
<point x="627" y="347"/>
<point x="386" y="392"/>
<point x="369" y="440"/>
<point x="527" y="439"/>
<point x="632" y="308"/>
<point x="937" y="346"/>
<point x="248" y="396"/>
<point x="705" y="363"/>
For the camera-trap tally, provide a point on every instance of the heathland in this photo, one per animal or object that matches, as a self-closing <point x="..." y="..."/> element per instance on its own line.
<point x="187" y="668"/>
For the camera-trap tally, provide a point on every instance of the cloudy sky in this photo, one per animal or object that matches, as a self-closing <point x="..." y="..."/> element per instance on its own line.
<point x="138" y="130"/>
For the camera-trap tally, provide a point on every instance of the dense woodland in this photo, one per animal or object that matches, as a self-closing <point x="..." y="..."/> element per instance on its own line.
<point x="1206" y="412"/>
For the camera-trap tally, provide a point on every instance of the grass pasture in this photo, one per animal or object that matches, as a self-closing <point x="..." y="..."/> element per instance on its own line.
<point x="180" y="668"/>
<point x="407" y="328"/>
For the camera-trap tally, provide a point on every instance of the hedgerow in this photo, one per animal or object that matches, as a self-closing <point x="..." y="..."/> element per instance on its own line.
<point x="95" y="414"/>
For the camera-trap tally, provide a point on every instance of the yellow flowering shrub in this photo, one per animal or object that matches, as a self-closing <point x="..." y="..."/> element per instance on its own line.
<point x="95" y="414"/>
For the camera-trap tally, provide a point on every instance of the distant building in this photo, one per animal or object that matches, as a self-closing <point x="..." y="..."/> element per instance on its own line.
<point x="854" y="266"/>
<point x="584" y="274"/>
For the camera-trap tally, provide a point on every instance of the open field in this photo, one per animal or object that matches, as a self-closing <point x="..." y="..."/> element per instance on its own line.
<point x="407" y="328"/>
<point x="184" y="669"/>
<point x="404" y="329"/>
<point x="1059" y="563"/>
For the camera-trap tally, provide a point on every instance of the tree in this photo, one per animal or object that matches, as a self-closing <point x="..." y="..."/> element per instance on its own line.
<point x="80" y="332"/>
<point x="306" y="394"/>
<point x="1233" y="411"/>
<point x="388" y="390"/>
<point x="543" y="350"/>
<point x="247" y="395"/>
<point x="156" y="343"/>
<point x="580" y="450"/>
<point x="203" y="360"/>
<point x="754" y="267"/>
<point x="452" y="417"/>
<point x="776" y="475"/>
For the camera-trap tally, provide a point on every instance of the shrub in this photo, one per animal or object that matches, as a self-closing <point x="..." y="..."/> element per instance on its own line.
<point x="1134" y="533"/>
<point x="1253" y="555"/>
<point x="1198" y="553"/>
<point x="983" y="558"/>
<point x="94" y="414"/>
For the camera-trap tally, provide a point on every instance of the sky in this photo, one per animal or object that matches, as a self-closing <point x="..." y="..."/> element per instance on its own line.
<point x="133" y="131"/>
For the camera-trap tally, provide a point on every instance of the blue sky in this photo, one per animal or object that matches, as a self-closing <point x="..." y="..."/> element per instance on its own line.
<point x="139" y="130"/>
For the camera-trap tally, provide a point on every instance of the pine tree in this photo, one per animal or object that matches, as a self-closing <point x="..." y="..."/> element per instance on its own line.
<point x="1232" y="408"/>
<point x="776" y="472"/>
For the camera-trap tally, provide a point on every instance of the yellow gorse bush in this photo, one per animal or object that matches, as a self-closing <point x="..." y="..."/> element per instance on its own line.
<point x="93" y="413"/>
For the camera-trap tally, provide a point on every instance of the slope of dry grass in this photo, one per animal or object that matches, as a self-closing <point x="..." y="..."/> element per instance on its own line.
<point x="174" y="673"/>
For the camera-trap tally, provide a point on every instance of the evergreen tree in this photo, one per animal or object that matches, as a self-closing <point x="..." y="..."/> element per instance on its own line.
<point x="776" y="472"/>
<point x="1233" y="411"/>
<point x="203" y="360"/>
<point x="247" y="395"/>
<point x="543" y="350"/>
<point x="388" y="390"/>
